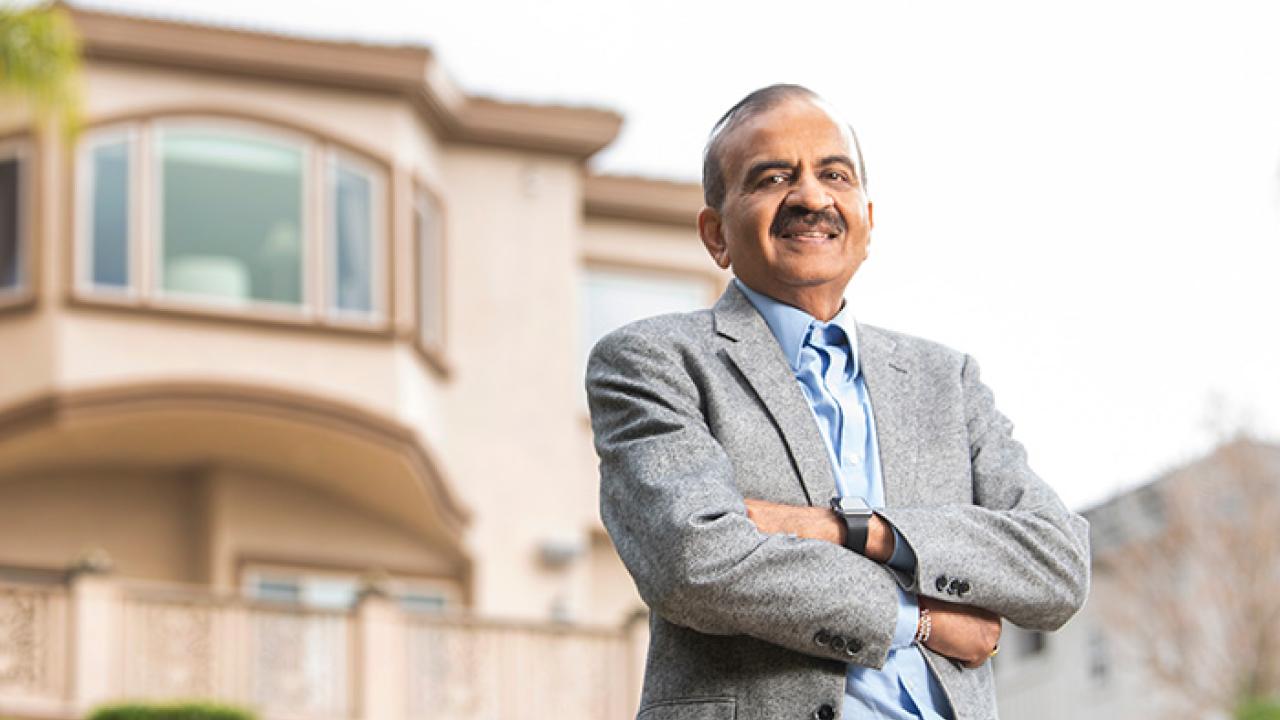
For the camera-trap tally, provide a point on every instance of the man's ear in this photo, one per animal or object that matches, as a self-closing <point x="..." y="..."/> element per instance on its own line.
<point x="712" y="233"/>
<point x="871" y="216"/>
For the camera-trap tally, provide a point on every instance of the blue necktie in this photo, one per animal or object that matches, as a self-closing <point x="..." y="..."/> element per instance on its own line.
<point x="827" y="378"/>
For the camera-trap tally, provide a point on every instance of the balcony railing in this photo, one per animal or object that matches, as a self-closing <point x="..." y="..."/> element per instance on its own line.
<point x="64" y="650"/>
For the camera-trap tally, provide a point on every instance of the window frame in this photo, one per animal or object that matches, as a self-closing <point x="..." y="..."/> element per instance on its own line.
<point x="22" y="147"/>
<point x="434" y="354"/>
<point x="380" y="252"/>
<point x="306" y="307"/>
<point x="451" y="591"/>
<point x="82" y="200"/>
<point x="714" y="286"/>
<point x="145" y="290"/>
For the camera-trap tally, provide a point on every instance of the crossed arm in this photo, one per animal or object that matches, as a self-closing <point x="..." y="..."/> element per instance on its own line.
<point x="965" y="633"/>
<point x="701" y="559"/>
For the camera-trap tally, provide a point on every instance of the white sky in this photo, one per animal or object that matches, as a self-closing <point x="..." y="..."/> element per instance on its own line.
<point x="1084" y="195"/>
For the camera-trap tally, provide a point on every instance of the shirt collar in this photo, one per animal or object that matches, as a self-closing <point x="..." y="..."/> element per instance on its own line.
<point x="790" y="325"/>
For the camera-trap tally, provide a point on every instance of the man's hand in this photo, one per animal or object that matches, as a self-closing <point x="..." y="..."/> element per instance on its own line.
<point x="961" y="632"/>
<point x="816" y="523"/>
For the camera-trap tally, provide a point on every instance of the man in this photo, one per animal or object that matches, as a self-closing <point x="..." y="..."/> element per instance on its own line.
<point x="742" y="450"/>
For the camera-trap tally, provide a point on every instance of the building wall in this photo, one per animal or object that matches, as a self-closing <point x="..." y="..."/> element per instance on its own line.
<point x="261" y="519"/>
<point x="142" y="517"/>
<point x="513" y="220"/>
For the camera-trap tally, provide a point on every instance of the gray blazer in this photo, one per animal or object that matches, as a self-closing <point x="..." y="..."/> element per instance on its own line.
<point x="694" y="412"/>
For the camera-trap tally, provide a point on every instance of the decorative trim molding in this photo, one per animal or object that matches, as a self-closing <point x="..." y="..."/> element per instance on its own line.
<point x="61" y="406"/>
<point x="412" y="72"/>
<point x="644" y="199"/>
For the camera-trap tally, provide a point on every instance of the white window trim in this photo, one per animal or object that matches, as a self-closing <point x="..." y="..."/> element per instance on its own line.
<point x="146" y="243"/>
<point x="379" y="237"/>
<point x="21" y="149"/>
<point x="251" y="130"/>
<point x="83" y="225"/>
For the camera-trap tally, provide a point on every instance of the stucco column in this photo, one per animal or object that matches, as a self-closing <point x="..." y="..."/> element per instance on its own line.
<point x="380" y="671"/>
<point x="96" y="615"/>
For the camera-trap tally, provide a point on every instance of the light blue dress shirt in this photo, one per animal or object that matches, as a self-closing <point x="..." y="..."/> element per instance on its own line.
<point x="824" y="359"/>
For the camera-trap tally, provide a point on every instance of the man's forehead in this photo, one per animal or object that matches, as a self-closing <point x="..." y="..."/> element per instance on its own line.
<point x="795" y="129"/>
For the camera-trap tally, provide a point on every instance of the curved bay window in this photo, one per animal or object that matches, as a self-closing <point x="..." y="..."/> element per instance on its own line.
<point x="14" y="208"/>
<point x="231" y="215"/>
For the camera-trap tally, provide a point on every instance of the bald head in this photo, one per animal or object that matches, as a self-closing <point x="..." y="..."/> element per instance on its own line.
<point x="754" y="104"/>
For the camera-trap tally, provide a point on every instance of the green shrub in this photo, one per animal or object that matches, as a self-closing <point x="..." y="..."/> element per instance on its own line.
<point x="1258" y="710"/>
<point x="171" y="711"/>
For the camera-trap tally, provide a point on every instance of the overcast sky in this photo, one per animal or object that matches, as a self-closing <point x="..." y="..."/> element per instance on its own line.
<point x="1085" y="196"/>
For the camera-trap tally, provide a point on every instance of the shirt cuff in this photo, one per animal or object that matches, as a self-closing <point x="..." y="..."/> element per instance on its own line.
<point x="908" y="619"/>
<point x="904" y="558"/>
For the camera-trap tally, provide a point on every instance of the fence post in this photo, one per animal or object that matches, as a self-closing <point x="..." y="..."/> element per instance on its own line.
<point x="380" y="663"/>
<point x="97" y="626"/>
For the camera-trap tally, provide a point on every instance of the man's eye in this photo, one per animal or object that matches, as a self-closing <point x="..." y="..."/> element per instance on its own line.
<point x="774" y="179"/>
<point x="836" y="175"/>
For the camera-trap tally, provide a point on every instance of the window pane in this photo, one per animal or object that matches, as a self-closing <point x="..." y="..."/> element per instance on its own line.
<point x="277" y="590"/>
<point x="231" y="216"/>
<point x="613" y="299"/>
<point x="430" y="275"/>
<point x="109" y="223"/>
<point x="422" y="603"/>
<point x="10" y="198"/>
<point x="352" y="244"/>
<point x="332" y="593"/>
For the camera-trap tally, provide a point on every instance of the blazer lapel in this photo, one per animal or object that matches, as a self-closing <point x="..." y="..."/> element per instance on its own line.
<point x="887" y="378"/>
<point x="756" y="354"/>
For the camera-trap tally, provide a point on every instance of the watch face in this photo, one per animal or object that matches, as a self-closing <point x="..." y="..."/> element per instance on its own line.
<point x="851" y="505"/>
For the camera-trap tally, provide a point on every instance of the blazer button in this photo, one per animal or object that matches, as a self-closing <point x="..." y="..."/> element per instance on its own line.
<point x="953" y="587"/>
<point x="855" y="645"/>
<point x="940" y="583"/>
<point x="822" y="637"/>
<point x="825" y="712"/>
<point x="963" y="589"/>
<point x="838" y="643"/>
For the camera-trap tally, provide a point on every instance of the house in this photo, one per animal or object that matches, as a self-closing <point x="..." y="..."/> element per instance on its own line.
<point x="290" y="408"/>
<point x="1175" y="625"/>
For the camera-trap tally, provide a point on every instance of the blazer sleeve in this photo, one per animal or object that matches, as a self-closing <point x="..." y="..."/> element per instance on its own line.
<point x="1017" y="550"/>
<point x="670" y="504"/>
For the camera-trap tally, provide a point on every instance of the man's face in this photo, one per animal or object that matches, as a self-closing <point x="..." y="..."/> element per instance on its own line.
<point x="795" y="221"/>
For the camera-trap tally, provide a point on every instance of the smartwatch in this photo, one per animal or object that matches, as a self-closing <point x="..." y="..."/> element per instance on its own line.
<point x="856" y="515"/>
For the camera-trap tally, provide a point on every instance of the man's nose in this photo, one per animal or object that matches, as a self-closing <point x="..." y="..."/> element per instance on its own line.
<point x="810" y="194"/>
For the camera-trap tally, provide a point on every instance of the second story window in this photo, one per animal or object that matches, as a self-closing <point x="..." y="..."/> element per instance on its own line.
<point x="614" y="296"/>
<point x="354" y="224"/>
<point x="233" y="216"/>
<point x="13" y="220"/>
<point x="106" y="190"/>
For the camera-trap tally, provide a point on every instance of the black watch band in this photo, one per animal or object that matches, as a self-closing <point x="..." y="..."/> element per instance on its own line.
<point x="856" y="515"/>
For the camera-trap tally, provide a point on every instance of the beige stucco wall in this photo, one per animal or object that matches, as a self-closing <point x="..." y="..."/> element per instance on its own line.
<point x="513" y="224"/>
<point x="143" y="518"/>
<point x="644" y="245"/>
<point x="263" y="519"/>
<point x="202" y="525"/>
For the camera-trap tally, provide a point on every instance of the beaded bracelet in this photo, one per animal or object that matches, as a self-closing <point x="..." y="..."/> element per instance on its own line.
<point x="924" y="628"/>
